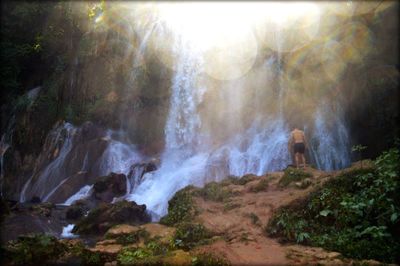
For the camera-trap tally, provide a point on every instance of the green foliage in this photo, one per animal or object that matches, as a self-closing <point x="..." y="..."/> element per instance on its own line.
<point x="358" y="148"/>
<point x="356" y="213"/>
<point x="91" y="258"/>
<point x="215" y="192"/>
<point x="157" y="246"/>
<point x="208" y="259"/>
<point x="34" y="250"/>
<point x="135" y="256"/>
<point x="189" y="235"/>
<point x="181" y="208"/>
<point x="262" y="185"/>
<point x="292" y="175"/>
<point x="240" y="181"/>
<point x="125" y="239"/>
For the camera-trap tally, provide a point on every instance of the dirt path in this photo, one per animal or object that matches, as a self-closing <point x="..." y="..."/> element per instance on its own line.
<point x="244" y="241"/>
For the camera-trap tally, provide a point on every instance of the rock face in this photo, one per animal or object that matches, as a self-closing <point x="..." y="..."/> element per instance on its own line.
<point x="31" y="218"/>
<point x="106" y="215"/>
<point x="70" y="158"/>
<point x="138" y="170"/>
<point x="110" y="186"/>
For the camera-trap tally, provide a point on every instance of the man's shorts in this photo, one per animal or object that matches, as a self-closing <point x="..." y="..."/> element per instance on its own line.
<point x="299" y="148"/>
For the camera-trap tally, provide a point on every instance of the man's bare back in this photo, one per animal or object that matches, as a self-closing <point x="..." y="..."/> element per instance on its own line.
<point x="298" y="136"/>
<point x="297" y="145"/>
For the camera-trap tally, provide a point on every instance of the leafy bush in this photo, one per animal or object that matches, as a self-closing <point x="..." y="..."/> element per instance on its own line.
<point x="243" y="180"/>
<point x="207" y="259"/>
<point x="136" y="256"/>
<point x="36" y="249"/>
<point x="356" y="213"/>
<point x="189" y="235"/>
<point x="215" y="192"/>
<point x="181" y="208"/>
<point x="129" y="238"/>
<point x="292" y="175"/>
<point x="262" y="185"/>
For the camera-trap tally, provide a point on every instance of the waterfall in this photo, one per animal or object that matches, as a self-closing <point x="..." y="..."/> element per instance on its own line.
<point x="69" y="151"/>
<point x="83" y="193"/>
<point x="330" y="140"/>
<point x="247" y="142"/>
<point x="59" y="144"/>
<point x="181" y="164"/>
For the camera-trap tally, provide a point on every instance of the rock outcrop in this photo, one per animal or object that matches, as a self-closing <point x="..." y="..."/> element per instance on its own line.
<point x="110" y="186"/>
<point x="106" y="215"/>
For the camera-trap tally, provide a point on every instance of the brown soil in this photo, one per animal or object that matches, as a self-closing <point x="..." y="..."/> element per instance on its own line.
<point x="244" y="241"/>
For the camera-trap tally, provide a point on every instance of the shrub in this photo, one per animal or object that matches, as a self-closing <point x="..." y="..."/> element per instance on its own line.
<point x="262" y="185"/>
<point x="181" y="208"/>
<point x="292" y="175"/>
<point x="243" y="180"/>
<point x="189" y="235"/>
<point x="36" y="249"/>
<point x="215" y="192"/>
<point x="208" y="259"/>
<point x="356" y="213"/>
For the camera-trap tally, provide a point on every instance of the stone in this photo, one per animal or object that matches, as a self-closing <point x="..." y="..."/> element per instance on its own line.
<point x="106" y="215"/>
<point x="108" y="187"/>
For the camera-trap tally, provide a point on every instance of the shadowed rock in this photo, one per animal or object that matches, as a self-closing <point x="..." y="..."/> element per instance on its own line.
<point x="106" y="215"/>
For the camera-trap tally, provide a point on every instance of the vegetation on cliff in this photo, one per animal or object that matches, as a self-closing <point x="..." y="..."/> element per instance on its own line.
<point x="356" y="213"/>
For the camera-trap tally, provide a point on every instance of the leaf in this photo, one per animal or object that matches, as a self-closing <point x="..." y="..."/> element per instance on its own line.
<point x="394" y="217"/>
<point x="325" y="213"/>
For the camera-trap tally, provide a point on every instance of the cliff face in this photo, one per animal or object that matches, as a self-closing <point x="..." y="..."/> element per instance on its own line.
<point x="106" y="73"/>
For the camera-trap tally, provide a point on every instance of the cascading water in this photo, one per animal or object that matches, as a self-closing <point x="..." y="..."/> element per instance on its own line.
<point x="52" y="175"/>
<point x="330" y="141"/>
<point x="180" y="165"/>
<point x="191" y="157"/>
<point x="71" y="156"/>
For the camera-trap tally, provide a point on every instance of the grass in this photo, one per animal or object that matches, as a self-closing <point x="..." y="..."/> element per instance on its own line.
<point x="293" y="175"/>
<point x="262" y="185"/>
<point x="214" y="192"/>
<point x="190" y="235"/>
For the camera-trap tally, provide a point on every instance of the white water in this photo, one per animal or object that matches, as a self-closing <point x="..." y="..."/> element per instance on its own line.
<point x="190" y="159"/>
<point x="330" y="141"/>
<point x="67" y="232"/>
<point x="83" y="193"/>
<point x="50" y="177"/>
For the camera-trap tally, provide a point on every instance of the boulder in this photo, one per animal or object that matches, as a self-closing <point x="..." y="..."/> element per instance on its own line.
<point x="78" y="209"/>
<point x="153" y="230"/>
<point x="110" y="186"/>
<point x="106" y="215"/>
<point x="138" y="170"/>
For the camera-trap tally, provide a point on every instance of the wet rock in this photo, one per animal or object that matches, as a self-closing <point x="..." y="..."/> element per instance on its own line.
<point x="27" y="219"/>
<point x="76" y="211"/>
<point x="106" y="215"/>
<point x="69" y="187"/>
<point x="35" y="199"/>
<point x="110" y="186"/>
<point x="153" y="230"/>
<point x="138" y="170"/>
<point x="43" y="209"/>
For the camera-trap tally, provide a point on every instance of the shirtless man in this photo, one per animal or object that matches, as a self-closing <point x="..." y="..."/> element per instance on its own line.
<point x="297" y="145"/>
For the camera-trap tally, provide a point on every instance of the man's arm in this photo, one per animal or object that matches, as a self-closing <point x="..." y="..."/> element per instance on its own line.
<point x="290" y="142"/>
